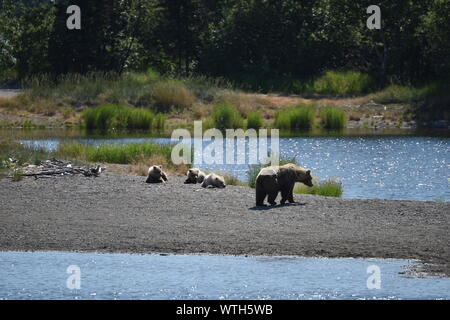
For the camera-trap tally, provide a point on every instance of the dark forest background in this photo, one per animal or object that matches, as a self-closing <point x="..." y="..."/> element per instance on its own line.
<point x="260" y="43"/>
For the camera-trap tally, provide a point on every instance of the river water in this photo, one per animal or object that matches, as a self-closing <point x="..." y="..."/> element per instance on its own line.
<point x="44" y="275"/>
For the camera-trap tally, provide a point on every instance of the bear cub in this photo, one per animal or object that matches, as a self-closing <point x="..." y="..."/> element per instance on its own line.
<point x="195" y="175"/>
<point x="156" y="175"/>
<point x="213" y="181"/>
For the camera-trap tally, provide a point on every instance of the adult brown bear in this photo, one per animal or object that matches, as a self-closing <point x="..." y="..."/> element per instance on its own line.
<point x="274" y="179"/>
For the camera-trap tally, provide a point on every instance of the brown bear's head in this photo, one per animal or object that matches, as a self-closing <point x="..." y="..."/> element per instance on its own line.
<point x="305" y="177"/>
<point x="219" y="183"/>
<point x="193" y="173"/>
<point x="156" y="169"/>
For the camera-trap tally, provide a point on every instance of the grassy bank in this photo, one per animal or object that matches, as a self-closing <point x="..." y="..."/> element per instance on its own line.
<point x="152" y="102"/>
<point x="117" y="117"/>
<point x="137" y="157"/>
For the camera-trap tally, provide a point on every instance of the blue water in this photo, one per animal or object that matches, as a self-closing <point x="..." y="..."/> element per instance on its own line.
<point x="385" y="167"/>
<point x="43" y="275"/>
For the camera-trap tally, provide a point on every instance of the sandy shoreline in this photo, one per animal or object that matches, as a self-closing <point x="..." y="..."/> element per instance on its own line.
<point x="120" y="213"/>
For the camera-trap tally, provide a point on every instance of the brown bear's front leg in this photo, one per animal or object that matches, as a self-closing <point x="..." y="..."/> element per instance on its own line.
<point x="291" y="194"/>
<point x="284" y="195"/>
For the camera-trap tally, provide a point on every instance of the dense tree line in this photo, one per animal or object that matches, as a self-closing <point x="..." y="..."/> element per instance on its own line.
<point x="249" y="41"/>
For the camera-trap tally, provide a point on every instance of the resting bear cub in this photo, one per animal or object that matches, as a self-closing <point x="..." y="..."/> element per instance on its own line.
<point x="156" y="175"/>
<point x="274" y="179"/>
<point x="195" y="175"/>
<point x="214" y="181"/>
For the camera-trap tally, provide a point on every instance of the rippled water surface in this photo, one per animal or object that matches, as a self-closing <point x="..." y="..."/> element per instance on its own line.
<point x="387" y="167"/>
<point x="43" y="275"/>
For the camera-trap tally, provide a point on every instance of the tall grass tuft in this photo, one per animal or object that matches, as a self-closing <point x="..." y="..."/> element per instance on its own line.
<point x="121" y="154"/>
<point x="330" y="188"/>
<point x="254" y="120"/>
<point x="295" y="119"/>
<point x="333" y="118"/>
<point x="401" y="94"/>
<point x="226" y="116"/>
<point x="170" y="94"/>
<point x="341" y="83"/>
<point x="23" y="154"/>
<point x="108" y="117"/>
<point x="159" y="122"/>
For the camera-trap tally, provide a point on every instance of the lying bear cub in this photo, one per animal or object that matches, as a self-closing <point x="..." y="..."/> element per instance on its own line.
<point x="274" y="179"/>
<point x="156" y="175"/>
<point x="213" y="180"/>
<point x="195" y="175"/>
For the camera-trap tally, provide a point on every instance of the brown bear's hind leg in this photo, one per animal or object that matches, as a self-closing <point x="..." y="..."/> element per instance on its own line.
<point x="272" y="197"/>
<point x="260" y="196"/>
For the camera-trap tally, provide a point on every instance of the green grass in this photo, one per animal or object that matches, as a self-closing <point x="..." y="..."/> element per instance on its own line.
<point x="172" y="94"/>
<point x="159" y="122"/>
<point x="295" y="119"/>
<point x="333" y="118"/>
<point x="109" y="117"/>
<point x="254" y="120"/>
<point x="401" y="94"/>
<point x="341" y="83"/>
<point x="226" y="116"/>
<point x="17" y="175"/>
<point x="328" y="188"/>
<point x="121" y="154"/>
<point x="23" y="154"/>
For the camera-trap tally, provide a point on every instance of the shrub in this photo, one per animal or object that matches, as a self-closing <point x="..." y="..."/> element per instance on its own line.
<point x="254" y="120"/>
<point x="172" y="94"/>
<point x="329" y="188"/>
<point x="109" y="117"/>
<point x="159" y="122"/>
<point x="400" y="94"/>
<point x="122" y="154"/>
<point x="298" y="118"/>
<point x="226" y="116"/>
<point x="333" y="118"/>
<point x="341" y="83"/>
<point x="232" y="180"/>
<point x="283" y="120"/>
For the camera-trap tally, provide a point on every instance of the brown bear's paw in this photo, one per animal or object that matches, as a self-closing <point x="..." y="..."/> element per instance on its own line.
<point x="261" y="205"/>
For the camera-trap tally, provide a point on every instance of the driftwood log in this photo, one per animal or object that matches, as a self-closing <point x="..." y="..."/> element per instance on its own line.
<point x="55" y="167"/>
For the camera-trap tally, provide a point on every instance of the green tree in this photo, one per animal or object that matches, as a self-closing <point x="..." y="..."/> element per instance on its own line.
<point x="25" y="27"/>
